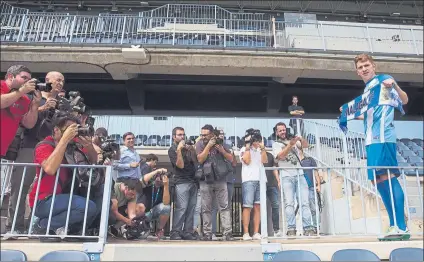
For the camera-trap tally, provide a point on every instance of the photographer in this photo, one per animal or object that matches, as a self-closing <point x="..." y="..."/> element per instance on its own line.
<point x="252" y="156"/>
<point x="156" y="199"/>
<point x="50" y="154"/>
<point x="230" y="187"/>
<point x="25" y="149"/>
<point x="285" y="153"/>
<point x="16" y="107"/>
<point x="216" y="160"/>
<point x="183" y="159"/>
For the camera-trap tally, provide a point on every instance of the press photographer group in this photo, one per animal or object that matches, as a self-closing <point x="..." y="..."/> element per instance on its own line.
<point x="50" y="128"/>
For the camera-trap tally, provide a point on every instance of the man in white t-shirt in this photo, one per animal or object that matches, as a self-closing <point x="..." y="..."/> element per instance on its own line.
<point x="252" y="156"/>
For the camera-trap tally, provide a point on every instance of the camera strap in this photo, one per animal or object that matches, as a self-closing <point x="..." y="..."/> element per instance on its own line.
<point x="156" y="197"/>
<point x="51" y="143"/>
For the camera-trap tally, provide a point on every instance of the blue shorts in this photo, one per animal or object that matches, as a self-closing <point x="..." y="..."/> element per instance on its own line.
<point x="382" y="154"/>
<point x="250" y="193"/>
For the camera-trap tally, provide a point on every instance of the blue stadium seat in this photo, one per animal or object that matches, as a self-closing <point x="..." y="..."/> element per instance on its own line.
<point x="65" y="255"/>
<point x="295" y="255"/>
<point x="418" y="141"/>
<point x="407" y="153"/>
<point x="420" y="153"/>
<point x="407" y="254"/>
<point x="405" y="140"/>
<point x="415" y="160"/>
<point x="12" y="255"/>
<point x="354" y="255"/>
<point x="400" y="159"/>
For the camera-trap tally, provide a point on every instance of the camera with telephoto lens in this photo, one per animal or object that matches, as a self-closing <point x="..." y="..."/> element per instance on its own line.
<point x="216" y="132"/>
<point x="255" y="136"/>
<point x="43" y="87"/>
<point x="190" y="142"/>
<point x="85" y="130"/>
<point x="109" y="148"/>
<point x="161" y="174"/>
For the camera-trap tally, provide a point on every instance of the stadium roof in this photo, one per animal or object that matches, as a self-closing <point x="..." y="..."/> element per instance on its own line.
<point x="405" y="9"/>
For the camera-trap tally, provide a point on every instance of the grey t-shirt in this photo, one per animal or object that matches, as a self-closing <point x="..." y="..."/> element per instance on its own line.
<point x="289" y="161"/>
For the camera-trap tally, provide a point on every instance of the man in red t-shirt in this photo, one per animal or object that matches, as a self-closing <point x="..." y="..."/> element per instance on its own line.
<point x="50" y="155"/>
<point x="16" y="107"/>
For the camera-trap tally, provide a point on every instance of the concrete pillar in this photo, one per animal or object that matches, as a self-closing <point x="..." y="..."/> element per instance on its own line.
<point x="136" y="95"/>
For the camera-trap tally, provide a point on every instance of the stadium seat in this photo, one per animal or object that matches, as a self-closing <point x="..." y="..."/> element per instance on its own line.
<point x="420" y="153"/>
<point x="407" y="153"/>
<point x="407" y="254"/>
<point x="405" y="140"/>
<point x="400" y="159"/>
<point x="65" y="255"/>
<point x="418" y="141"/>
<point x="295" y="255"/>
<point x="12" y="255"/>
<point x="415" y="160"/>
<point x="354" y="255"/>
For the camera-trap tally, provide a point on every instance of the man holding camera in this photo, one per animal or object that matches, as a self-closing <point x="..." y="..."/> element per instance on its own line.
<point x="50" y="154"/>
<point x="216" y="160"/>
<point x="253" y="157"/>
<point x="183" y="159"/>
<point x="293" y="183"/>
<point x="230" y="187"/>
<point x="18" y="109"/>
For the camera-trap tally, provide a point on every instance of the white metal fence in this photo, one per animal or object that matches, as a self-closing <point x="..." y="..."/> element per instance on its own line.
<point x="166" y="26"/>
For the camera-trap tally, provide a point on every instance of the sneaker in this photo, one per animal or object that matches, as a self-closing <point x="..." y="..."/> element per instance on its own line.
<point x="256" y="236"/>
<point x="61" y="232"/>
<point x="309" y="232"/>
<point x="246" y="237"/>
<point x="196" y="235"/>
<point x="214" y="238"/>
<point x="175" y="236"/>
<point x="207" y="237"/>
<point x="278" y="233"/>
<point x="291" y="232"/>
<point x="228" y="237"/>
<point x="188" y="236"/>
<point x="161" y="234"/>
<point x="12" y="235"/>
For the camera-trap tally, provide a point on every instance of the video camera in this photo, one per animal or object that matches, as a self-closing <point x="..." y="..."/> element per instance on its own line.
<point x="109" y="148"/>
<point x="190" y="142"/>
<point x="75" y="103"/>
<point x="255" y="136"/>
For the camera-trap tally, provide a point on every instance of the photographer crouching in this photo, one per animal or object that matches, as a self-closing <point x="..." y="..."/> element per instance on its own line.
<point x="24" y="145"/>
<point x="215" y="158"/>
<point x="253" y="156"/>
<point x="50" y="154"/>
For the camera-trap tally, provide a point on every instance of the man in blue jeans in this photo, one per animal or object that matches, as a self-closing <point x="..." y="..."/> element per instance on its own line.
<point x="273" y="194"/>
<point x="50" y="155"/>
<point x="293" y="182"/>
<point x="183" y="159"/>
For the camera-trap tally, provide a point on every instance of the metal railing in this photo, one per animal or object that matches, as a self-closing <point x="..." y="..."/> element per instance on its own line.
<point x="221" y="31"/>
<point x="71" y="229"/>
<point x="341" y="215"/>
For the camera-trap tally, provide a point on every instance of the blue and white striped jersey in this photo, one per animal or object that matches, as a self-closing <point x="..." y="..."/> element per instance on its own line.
<point x="378" y="121"/>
